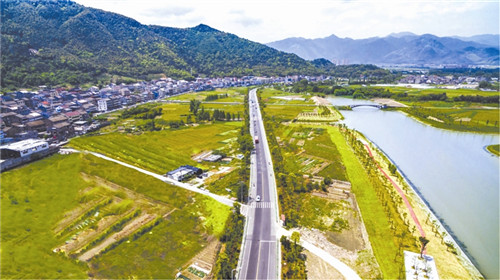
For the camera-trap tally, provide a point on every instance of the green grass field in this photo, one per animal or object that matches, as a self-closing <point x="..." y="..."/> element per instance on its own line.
<point x="476" y="120"/>
<point x="175" y="111"/>
<point x="228" y="108"/>
<point x="228" y="181"/>
<point x="160" y="151"/>
<point x="317" y="143"/>
<point x="285" y="113"/>
<point x="234" y="95"/>
<point x="180" y="111"/>
<point x="157" y="255"/>
<point x="449" y="92"/>
<point x="374" y="218"/>
<point x="35" y="198"/>
<point x="274" y="96"/>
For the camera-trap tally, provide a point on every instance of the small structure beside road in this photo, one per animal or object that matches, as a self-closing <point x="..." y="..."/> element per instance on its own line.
<point x="184" y="172"/>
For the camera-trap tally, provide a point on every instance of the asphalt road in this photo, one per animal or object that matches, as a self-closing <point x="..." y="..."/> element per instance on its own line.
<point x="260" y="252"/>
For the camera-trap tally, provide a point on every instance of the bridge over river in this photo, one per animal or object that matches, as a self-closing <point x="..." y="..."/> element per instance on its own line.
<point x="352" y="106"/>
<point x="380" y="106"/>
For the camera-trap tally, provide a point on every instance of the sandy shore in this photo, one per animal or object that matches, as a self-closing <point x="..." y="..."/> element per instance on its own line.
<point x="389" y="102"/>
<point x="320" y="101"/>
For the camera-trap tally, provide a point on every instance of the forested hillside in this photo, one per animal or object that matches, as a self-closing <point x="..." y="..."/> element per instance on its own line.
<point x="57" y="42"/>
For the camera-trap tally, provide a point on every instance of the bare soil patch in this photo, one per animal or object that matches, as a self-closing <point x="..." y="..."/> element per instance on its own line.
<point x="351" y="245"/>
<point x="320" y="101"/>
<point x="319" y="269"/>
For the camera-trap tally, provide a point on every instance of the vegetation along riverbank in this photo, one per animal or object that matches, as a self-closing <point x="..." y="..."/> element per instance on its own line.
<point x="494" y="149"/>
<point x="471" y="110"/>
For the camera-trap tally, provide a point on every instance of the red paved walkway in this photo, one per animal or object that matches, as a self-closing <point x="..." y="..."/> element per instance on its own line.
<point x="415" y="219"/>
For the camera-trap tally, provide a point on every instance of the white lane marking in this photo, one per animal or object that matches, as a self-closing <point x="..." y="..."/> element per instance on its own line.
<point x="258" y="262"/>
<point x="269" y="264"/>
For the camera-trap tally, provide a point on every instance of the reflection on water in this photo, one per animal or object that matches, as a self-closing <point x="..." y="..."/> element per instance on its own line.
<point x="451" y="170"/>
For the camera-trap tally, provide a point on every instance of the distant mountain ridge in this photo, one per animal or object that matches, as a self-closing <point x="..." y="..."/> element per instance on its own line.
<point x="397" y="48"/>
<point x="50" y="42"/>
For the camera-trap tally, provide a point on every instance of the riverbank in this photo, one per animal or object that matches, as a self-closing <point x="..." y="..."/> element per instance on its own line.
<point x="478" y="120"/>
<point x="451" y="260"/>
<point x="494" y="149"/>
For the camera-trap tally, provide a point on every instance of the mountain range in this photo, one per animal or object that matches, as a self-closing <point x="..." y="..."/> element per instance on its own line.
<point x="397" y="49"/>
<point x="56" y="42"/>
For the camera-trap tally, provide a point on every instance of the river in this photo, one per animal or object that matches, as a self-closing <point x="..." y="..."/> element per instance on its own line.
<point x="451" y="170"/>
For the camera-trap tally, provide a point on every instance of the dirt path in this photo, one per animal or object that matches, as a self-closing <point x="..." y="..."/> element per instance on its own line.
<point x="326" y="255"/>
<point x="319" y="269"/>
<point x="321" y="101"/>
<point x="401" y="193"/>
<point x="127" y="230"/>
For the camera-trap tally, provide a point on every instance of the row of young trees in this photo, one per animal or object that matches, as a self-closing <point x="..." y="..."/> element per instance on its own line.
<point x="212" y="97"/>
<point x="141" y="112"/>
<point x="294" y="261"/>
<point x="402" y="233"/>
<point x="200" y="114"/>
<point x="227" y="259"/>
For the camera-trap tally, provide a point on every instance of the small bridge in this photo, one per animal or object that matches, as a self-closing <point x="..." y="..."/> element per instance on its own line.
<point x="380" y="106"/>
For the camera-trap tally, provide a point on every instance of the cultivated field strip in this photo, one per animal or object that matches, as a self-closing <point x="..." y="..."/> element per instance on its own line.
<point x="70" y="216"/>
<point x="126" y="231"/>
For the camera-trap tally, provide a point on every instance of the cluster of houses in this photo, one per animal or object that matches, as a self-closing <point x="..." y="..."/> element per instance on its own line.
<point x="464" y="81"/>
<point x="56" y="114"/>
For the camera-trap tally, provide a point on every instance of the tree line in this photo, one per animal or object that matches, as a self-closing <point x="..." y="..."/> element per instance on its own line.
<point x="212" y="97"/>
<point x="228" y="256"/>
<point x="378" y="92"/>
<point x="392" y="202"/>
<point x="201" y="114"/>
<point x="292" y="257"/>
<point x="227" y="259"/>
<point x="142" y="112"/>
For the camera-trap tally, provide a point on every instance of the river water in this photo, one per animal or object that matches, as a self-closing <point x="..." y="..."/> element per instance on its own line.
<point x="452" y="171"/>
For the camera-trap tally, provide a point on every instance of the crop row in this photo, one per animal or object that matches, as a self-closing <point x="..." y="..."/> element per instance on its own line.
<point x="85" y="215"/>
<point x="138" y="233"/>
<point x="114" y="228"/>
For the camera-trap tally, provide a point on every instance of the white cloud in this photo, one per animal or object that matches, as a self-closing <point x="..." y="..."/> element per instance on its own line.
<point x="270" y="20"/>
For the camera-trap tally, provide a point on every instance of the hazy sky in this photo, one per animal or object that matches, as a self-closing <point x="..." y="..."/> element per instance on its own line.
<point x="270" y="20"/>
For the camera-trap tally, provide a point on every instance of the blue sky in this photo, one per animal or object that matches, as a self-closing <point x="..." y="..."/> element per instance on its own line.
<point x="270" y="20"/>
